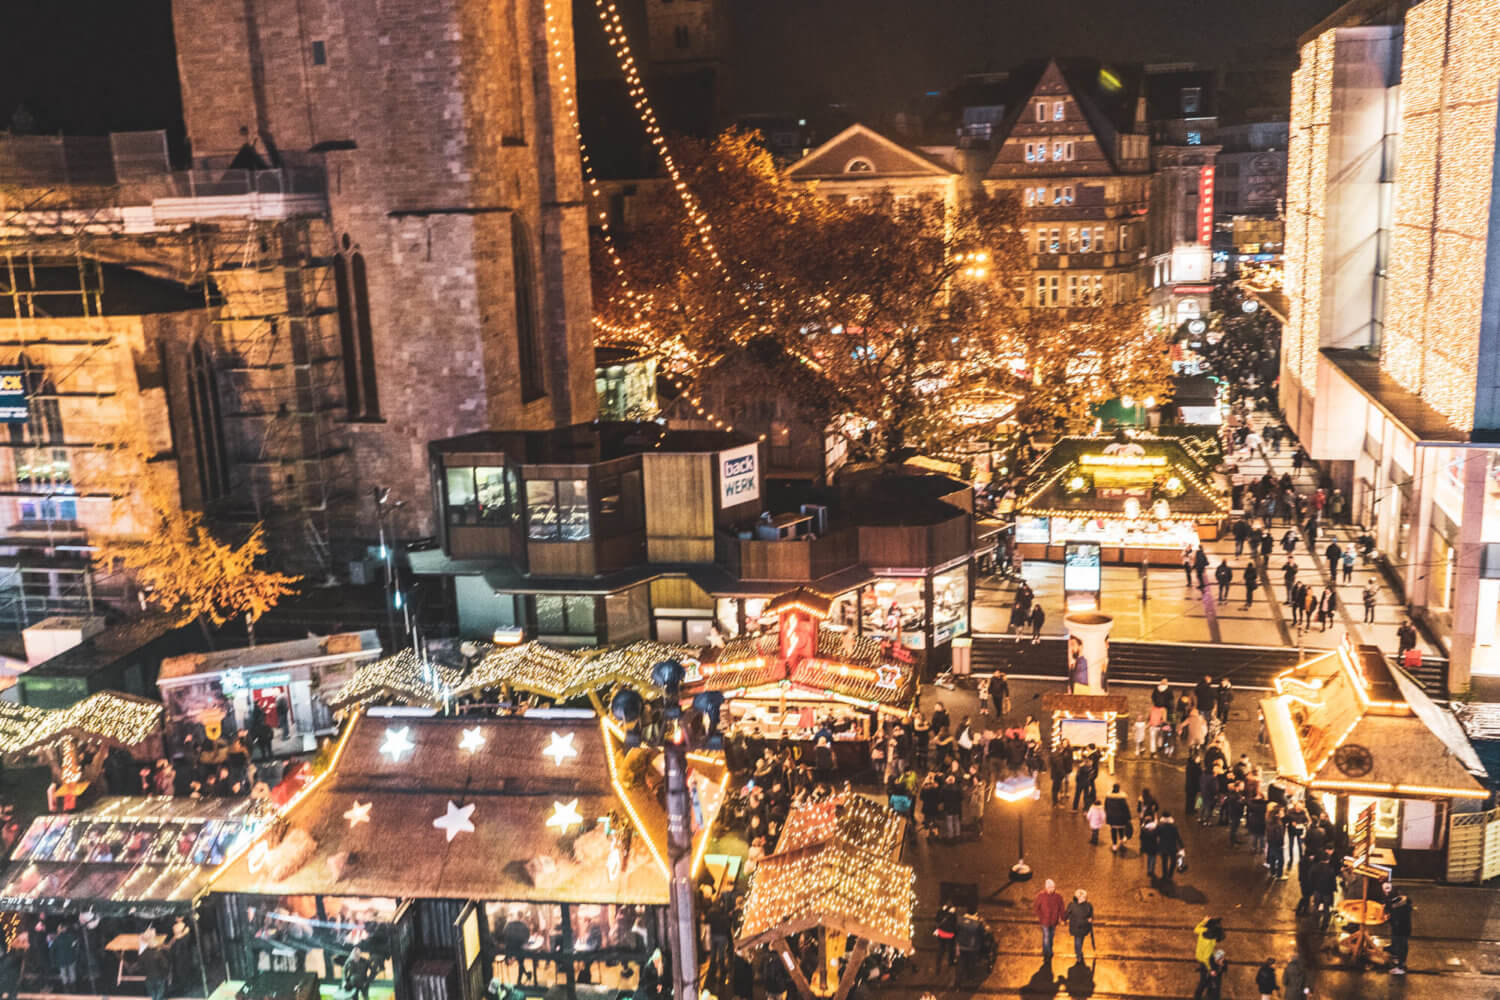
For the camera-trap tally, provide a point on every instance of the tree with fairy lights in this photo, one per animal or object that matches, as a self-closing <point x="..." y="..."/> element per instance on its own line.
<point x="908" y="318"/>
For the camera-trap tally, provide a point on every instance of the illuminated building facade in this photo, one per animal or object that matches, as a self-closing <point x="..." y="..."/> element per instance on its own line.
<point x="1391" y="364"/>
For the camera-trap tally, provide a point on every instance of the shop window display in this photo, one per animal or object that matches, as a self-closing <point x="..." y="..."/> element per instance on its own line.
<point x="896" y="607"/>
<point x="950" y="604"/>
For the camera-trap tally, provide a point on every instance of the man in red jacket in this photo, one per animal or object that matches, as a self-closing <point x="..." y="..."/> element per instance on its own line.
<point x="1049" y="907"/>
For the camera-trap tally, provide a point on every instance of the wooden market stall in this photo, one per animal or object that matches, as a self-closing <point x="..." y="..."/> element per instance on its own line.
<point x="836" y="869"/>
<point x="1356" y="732"/>
<point x="1141" y="498"/>
<point x="128" y="866"/>
<point x="527" y="851"/>
<point x="402" y="679"/>
<point x="104" y="721"/>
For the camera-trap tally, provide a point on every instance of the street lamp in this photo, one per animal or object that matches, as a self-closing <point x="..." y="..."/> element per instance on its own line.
<point x="1018" y="789"/>
<point x="394" y="599"/>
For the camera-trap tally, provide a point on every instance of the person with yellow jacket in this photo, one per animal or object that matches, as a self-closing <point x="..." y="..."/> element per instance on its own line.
<point x="1209" y="933"/>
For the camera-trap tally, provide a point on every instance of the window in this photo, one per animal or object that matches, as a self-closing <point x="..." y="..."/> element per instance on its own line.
<point x="528" y="348"/>
<point x="1056" y="241"/>
<point x="1031" y="152"/>
<point x="1052" y="286"/>
<point x="1098" y="239"/>
<point x="1073" y="239"/>
<point x="207" y="424"/>
<point x="557" y="510"/>
<point x="356" y="336"/>
<point x="1067" y="150"/>
<point x="1086" y="242"/>
<point x="1057" y="150"/>
<point x="1057" y="111"/>
<point x="1041" y="241"/>
<point x="319" y="54"/>
<point x="1062" y="195"/>
<point x="1124" y="236"/>
<point x="513" y="125"/>
<point x="1041" y="289"/>
<point x="481" y="495"/>
<point x="621" y="507"/>
<point x="43" y="467"/>
<point x="1192" y="99"/>
<point x="1073" y="299"/>
<point x="1195" y="138"/>
<point x="859" y="165"/>
<point x="1041" y="111"/>
<point x="680" y="37"/>
<point x="559" y="615"/>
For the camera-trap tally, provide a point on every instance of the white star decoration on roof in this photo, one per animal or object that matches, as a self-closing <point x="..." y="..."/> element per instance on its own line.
<point x="456" y="820"/>
<point x="358" y="813"/>
<point x="564" y="816"/>
<point x="561" y="748"/>
<point x="397" y="742"/>
<point x="473" y="740"/>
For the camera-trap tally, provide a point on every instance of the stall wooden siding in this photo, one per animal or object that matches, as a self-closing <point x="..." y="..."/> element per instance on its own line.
<point x="1473" y="846"/>
<point x="460" y="459"/>
<point x="619" y="552"/>
<point x="478" y="541"/>
<point x="680" y="499"/>
<point x="801" y="561"/>
<point x="561" y="558"/>
<point x="915" y="546"/>
<point x="679" y="592"/>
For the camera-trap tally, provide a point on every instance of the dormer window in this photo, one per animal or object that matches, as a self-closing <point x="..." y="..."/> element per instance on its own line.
<point x="859" y="165"/>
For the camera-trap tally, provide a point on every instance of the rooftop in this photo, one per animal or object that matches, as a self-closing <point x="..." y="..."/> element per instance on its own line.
<point x="587" y="444"/>
<point x="350" y="644"/>
<point x="1362" y="368"/>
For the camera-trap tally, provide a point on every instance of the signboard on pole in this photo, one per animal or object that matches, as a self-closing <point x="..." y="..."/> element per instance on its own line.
<point x="1081" y="575"/>
<point x="739" y="475"/>
<point x="13" y="407"/>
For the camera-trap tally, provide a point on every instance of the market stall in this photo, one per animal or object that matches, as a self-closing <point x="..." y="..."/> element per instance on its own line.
<point x="1139" y="498"/>
<point x="1356" y="732"/>
<point x="808" y="681"/>
<point x="527" y="850"/>
<point x="102" y="722"/>
<point x="403" y="679"/>
<point x="124" y="868"/>
<point x="281" y="683"/>
<point x="836" y="872"/>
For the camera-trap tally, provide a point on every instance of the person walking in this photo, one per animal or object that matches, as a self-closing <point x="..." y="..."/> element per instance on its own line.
<point x="1326" y="606"/>
<point x="1048" y="907"/>
<point x="1265" y="978"/>
<point x="1251" y="579"/>
<point x="1267" y="544"/>
<point x="1149" y="824"/>
<point x="1095" y="815"/>
<point x="1059" y="766"/>
<point x="947" y="937"/>
<point x="1370" y="592"/>
<point x="1038" y="618"/>
<point x="1192" y="778"/>
<point x="1000" y="695"/>
<point x="1398" y="911"/>
<point x="1168" y="846"/>
<point x="1294" y="980"/>
<point x="1204" y="696"/>
<point x="1080" y="915"/>
<point x="1084" y="791"/>
<point x="1225" y="577"/>
<point x="1241" y="533"/>
<point x="1187" y="564"/>
<point x="1334" y="555"/>
<point x="1348" y="564"/>
<point x="1207" y="935"/>
<point x="1406" y="636"/>
<point x="1275" y="842"/>
<point x="1289" y="577"/>
<point x="1200" y="567"/>
<point x="1289" y="541"/>
<point x="1117" y="815"/>
<point x="1223" y="698"/>
<point x="1161" y="704"/>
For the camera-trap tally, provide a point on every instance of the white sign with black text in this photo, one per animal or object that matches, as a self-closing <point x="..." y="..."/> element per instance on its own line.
<point x="739" y="476"/>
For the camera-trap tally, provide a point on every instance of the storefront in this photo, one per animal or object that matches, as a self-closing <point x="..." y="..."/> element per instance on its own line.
<point x="1355" y="732"/>
<point x="283" y="683"/>
<point x="1139" y="497"/>
<point x="113" y="876"/>
<point x="461" y="852"/>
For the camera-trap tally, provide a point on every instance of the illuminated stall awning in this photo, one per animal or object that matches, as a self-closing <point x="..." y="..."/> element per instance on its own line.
<point x="526" y="808"/>
<point x="835" y="868"/>
<point x="1146" y="478"/>
<point x="565" y="674"/>
<point x="149" y="856"/>
<point x="402" y="679"/>
<point x="1350" y="723"/>
<point x="103" y="717"/>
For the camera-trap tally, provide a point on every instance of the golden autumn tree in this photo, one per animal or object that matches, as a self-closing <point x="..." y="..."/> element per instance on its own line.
<point x="909" y="317"/>
<point x="183" y="569"/>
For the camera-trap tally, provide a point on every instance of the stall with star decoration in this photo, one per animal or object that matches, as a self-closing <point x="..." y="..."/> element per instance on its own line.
<point x="514" y="845"/>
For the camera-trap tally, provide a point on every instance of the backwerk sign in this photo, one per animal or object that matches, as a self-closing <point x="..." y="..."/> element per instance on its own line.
<point x="13" y="408"/>
<point x="738" y="479"/>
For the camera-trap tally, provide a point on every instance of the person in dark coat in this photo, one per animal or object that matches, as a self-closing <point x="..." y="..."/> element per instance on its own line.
<point x="1265" y="977"/>
<point x="1398" y="911"/>
<point x="155" y="968"/>
<point x="1333" y="554"/>
<point x="1117" y="817"/>
<point x="1080" y="914"/>
<point x="656" y="979"/>
<point x="1241" y="533"/>
<point x="1059" y="766"/>
<point x="1322" y="881"/>
<point x="946" y="933"/>
<point x="10" y="970"/>
<point x="38" y="958"/>
<point x="1191" y="780"/>
<point x="1037" y="619"/>
<point x="999" y="692"/>
<point x="1168" y="844"/>
<point x="1200" y="567"/>
<point x="1225" y="577"/>
<point x="1223" y="698"/>
<point x="1205" y="696"/>
<point x="65" y="954"/>
<point x="1267" y="543"/>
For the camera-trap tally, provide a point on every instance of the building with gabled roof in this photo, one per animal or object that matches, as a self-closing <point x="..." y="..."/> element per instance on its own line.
<point x="859" y="164"/>
<point x="1073" y="148"/>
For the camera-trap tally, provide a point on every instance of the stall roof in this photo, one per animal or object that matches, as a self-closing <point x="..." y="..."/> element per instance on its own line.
<point x="564" y="674"/>
<point x="144" y="855"/>
<point x="514" y="808"/>
<point x="822" y="876"/>
<point x="1349" y="721"/>
<point x="354" y="645"/>
<point x="846" y="665"/>
<point x="402" y="678"/>
<point x="105" y="716"/>
<point x="1049" y="495"/>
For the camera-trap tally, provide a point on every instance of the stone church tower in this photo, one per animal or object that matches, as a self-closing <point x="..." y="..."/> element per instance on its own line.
<point x="455" y="216"/>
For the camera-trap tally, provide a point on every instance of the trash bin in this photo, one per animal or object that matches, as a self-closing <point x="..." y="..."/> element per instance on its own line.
<point x="962" y="647"/>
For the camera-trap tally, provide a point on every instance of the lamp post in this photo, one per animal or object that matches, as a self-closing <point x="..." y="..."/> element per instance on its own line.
<point x="394" y="599"/>
<point x="1019" y="789"/>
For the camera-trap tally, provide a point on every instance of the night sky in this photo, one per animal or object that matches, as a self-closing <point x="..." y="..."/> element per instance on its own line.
<point x="89" y="66"/>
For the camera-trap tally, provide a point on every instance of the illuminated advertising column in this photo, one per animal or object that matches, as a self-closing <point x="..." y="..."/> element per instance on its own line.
<point x="1088" y="651"/>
